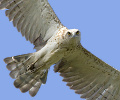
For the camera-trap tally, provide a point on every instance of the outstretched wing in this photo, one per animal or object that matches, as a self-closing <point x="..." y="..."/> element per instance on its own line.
<point x="35" y="19"/>
<point x="89" y="76"/>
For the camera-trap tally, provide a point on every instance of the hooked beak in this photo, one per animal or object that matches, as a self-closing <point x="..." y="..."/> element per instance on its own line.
<point x="74" y="36"/>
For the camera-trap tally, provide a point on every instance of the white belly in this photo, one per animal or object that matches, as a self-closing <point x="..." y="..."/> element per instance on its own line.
<point x="49" y="55"/>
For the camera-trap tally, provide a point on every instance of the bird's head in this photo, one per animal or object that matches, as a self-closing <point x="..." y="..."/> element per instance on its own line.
<point x="68" y="36"/>
<point x="73" y="35"/>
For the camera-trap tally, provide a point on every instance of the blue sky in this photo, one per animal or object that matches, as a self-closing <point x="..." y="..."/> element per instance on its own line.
<point x="99" y="23"/>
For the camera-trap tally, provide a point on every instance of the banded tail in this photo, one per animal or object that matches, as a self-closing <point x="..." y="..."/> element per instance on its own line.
<point x="23" y="69"/>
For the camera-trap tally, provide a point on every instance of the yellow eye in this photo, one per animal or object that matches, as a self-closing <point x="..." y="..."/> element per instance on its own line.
<point x="78" y="32"/>
<point x="68" y="33"/>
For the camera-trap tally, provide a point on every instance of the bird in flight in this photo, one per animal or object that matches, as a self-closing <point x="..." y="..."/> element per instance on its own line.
<point x="55" y="44"/>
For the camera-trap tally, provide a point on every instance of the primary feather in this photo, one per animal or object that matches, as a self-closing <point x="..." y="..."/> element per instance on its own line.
<point x="35" y="19"/>
<point x="90" y="76"/>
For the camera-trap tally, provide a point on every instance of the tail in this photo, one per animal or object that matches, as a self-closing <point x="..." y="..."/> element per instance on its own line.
<point x="28" y="76"/>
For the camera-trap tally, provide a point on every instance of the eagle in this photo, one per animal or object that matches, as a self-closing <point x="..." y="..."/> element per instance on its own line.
<point x="55" y="44"/>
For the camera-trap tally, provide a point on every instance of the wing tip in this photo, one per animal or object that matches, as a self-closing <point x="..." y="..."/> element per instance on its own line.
<point x="8" y="60"/>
